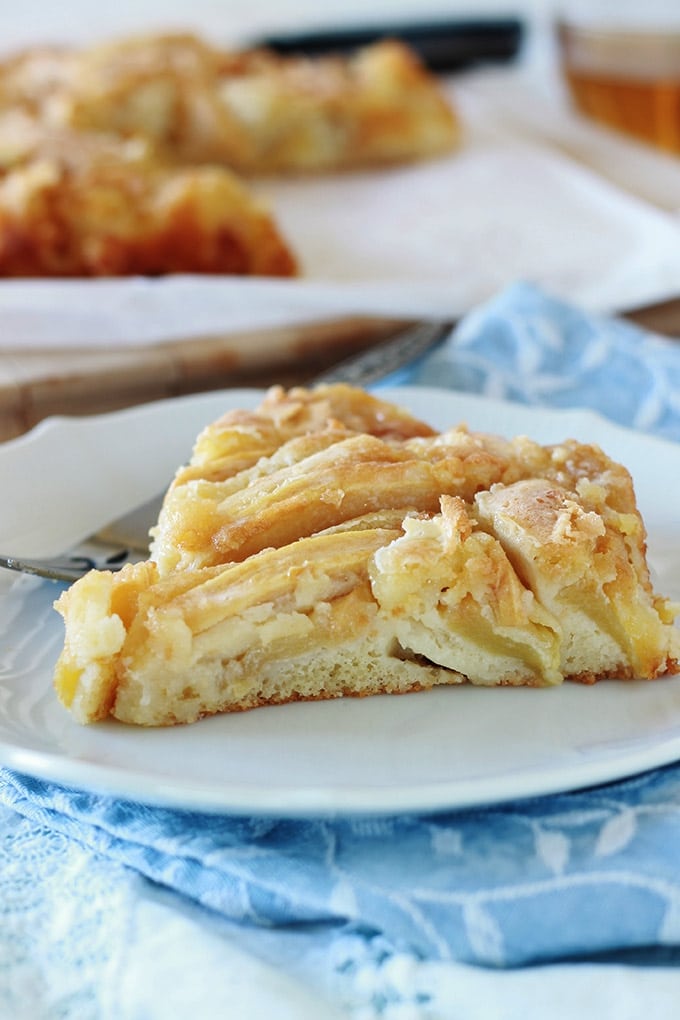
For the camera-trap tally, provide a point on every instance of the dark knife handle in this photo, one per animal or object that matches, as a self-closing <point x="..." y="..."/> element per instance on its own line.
<point x="448" y="45"/>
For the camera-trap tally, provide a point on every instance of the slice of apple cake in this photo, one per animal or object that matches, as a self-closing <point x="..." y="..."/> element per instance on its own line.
<point x="330" y="544"/>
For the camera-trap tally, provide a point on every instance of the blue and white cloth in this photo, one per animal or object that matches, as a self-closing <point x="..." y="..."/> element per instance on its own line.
<point x="115" y="909"/>
<point x="531" y="348"/>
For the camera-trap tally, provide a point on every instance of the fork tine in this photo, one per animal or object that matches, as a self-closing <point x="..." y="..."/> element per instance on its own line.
<point x="52" y="569"/>
<point x="69" y="567"/>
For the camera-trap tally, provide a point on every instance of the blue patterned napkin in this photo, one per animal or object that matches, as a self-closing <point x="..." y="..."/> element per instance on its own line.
<point x="553" y="878"/>
<point x="531" y="348"/>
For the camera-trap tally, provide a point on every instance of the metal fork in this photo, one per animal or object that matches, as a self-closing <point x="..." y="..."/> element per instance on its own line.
<point x="126" y="539"/>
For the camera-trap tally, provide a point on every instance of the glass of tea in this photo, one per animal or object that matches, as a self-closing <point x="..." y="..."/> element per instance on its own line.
<point x="621" y="63"/>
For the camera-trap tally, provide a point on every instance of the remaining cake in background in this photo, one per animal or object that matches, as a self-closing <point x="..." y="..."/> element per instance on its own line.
<point x="329" y="544"/>
<point x="80" y="206"/>
<point x="120" y="158"/>
<point x="251" y="110"/>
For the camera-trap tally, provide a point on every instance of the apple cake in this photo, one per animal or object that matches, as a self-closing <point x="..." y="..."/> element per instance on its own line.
<point x="80" y="206"/>
<point x="251" y="110"/>
<point x="329" y="544"/>
<point x="121" y="158"/>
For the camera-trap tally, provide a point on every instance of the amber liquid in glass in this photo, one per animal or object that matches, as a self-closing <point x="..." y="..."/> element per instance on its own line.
<point x="649" y="109"/>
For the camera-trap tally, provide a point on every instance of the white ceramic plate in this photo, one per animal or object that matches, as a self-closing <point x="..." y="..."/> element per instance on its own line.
<point x="443" y="749"/>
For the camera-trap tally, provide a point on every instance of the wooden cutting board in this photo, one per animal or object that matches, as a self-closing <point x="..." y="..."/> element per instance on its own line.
<point x="35" y="383"/>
